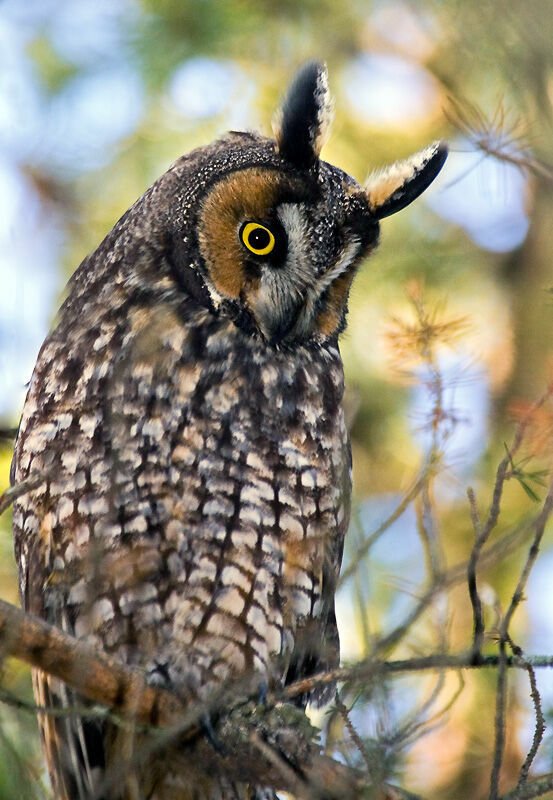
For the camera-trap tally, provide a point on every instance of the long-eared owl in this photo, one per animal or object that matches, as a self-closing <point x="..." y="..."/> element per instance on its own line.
<point x="185" y="420"/>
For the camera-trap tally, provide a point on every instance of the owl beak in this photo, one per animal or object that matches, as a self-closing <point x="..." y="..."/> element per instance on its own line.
<point x="391" y="189"/>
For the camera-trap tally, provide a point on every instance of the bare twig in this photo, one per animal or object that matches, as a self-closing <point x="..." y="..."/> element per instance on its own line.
<point x="395" y="793"/>
<point x="499" y="724"/>
<point x="430" y="540"/>
<point x="539" y="528"/>
<point x="418" y="723"/>
<point x="19" y="489"/>
<point x="503" y="468"/>
<point x="355" y="738"/>
<point x="7" y="435"/>
<point x="478" y="617"/>
<point x="482" y="532"/>
<point x="96" y="676"/>
<point x="503" y="138"/>
<point x="454" y="575"/>
<point x="82" y="711"/>
<point x="297" y="784"/>
<point x="539" y="729"/>
<point x="402" y="506"/>
<point x="369" y="669"/>
<point x="531" y="789"/>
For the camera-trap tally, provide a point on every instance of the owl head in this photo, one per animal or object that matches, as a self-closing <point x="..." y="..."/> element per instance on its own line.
<point x="265" y="233"/>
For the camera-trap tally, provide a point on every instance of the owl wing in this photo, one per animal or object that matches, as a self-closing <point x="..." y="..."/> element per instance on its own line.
<point x="318" y="647"/>
<point x="73" y="744"/>
<point x="84" y="564"/>
<point x="66" y="437"/>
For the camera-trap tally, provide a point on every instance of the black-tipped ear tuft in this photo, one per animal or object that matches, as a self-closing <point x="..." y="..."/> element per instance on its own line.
<point x="301" y="125"/>
<point x="391" y="189"/>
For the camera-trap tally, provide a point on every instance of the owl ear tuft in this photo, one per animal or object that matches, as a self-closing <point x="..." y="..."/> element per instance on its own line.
<point x="302" y="124"/>
<point x="392" y="188"/>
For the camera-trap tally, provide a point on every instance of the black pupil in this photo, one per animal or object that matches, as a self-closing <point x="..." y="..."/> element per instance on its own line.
<point x="259" y="239"/>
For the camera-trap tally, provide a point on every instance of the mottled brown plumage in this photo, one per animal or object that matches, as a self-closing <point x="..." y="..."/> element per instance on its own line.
<point x="185" y="415"/>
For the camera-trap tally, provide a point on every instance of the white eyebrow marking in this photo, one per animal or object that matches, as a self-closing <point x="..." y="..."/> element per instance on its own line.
<point x="346" y="258"/>
<point x="299" y="272"/>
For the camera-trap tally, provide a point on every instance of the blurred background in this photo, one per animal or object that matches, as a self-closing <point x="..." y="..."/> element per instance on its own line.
<point x="99" y="97"/>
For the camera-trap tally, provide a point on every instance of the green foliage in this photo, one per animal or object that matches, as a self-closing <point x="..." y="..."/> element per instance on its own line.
<point x="52" y="70"/>
<point x="525" y="476"/>
<point x="20" y="758"/>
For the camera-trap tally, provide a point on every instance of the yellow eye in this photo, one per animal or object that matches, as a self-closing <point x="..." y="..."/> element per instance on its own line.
<point x="257" y="238"/>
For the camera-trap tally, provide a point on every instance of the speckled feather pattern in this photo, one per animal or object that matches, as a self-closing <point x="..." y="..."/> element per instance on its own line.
<point x="209" y="472"/>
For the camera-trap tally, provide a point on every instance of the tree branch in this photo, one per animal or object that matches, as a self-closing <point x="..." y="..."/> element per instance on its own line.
<point x="94" y="675"/>
<point x="242" y="727"/>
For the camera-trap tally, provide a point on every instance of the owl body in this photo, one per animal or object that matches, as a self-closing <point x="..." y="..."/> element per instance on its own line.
<point x="186" y="418"/>
<point x="199" y="429"/>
